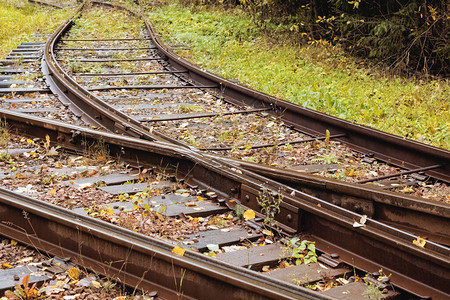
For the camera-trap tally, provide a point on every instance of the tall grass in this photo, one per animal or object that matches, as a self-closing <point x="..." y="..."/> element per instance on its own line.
<point x="19" y="19"/>
<point x="316" y="76"/>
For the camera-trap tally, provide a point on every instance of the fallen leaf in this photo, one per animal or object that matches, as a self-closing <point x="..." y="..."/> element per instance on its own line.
<point x="190" y="204"/>
<point x="407" y="190"/>
<point x="249" y="214"/>
<point x="52" y="192"/>
<point x="96" y="284"/>
<point x="6" y="265"/>
<point x="350" y="173"/>
<point x="421" y="242"/>
<point x="213" y="247"/>
<point x="265" y="269"/>
<point x="74" y="273"/>
<point x="24" y="260"/>
<point x="181" y="191"/>
<point x="13" y="242"/>
<point x="178" y="250"/>
<point x="361" y="222"/>
<point x="267" y="232"/>
<point x="52" y="152"/>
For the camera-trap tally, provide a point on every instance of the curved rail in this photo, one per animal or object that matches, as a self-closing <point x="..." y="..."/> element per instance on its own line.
<point x="425" y="217"/>
<point x="329" y="225"/>
<point x="384" y="146"/>
<point x="325" y="222"/>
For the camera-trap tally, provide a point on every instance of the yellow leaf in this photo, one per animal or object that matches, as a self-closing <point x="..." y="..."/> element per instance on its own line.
<point x="267" y="232"/>
<point x="30" y="141"/>
<point x="13" y="242"/>
<point x="74" y="273"/>
<point x="109" y="211"/>
<point x="178" y="250"/>
<point x="52" y="192"/>
<point x="200" y="198"/>
<point x="420" y="242"/>
<point x="6" y="265"/>
<point x="96" y="284"/>
<point x="265" y="268"/>
<point x="160" y="216"/>
<point x="249" y="214"/>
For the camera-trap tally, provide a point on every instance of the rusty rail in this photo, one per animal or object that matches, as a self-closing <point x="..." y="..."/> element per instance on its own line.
<point x="384" y="146"/>
<point x="422" y="271"/>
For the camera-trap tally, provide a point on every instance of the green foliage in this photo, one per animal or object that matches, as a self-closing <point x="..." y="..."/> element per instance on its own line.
<point x="25" y="292"/>
<point x="270" y="205"/>
<point x="239" y="211"/>
<point x="326" y="158"/>
<point x="4" y="134"/>
<point x="304" y="253"/>
<point x="314" y="76"/>
<point x="19" y="20"/>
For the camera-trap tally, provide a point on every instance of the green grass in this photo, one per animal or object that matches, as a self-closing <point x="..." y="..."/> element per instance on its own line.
<point x="314" y="76"/>
<point x="105" y="23"/>
<point x="19" y="20"/>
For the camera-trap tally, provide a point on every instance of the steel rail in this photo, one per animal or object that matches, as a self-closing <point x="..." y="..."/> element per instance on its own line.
<point x="420" y="270"/>
<point x="110" y="118"/>
<point x="413" y="214"/>
<point x="349" y="196"/>
<point x="384" y="146"/>
<point x="136" y="260"/>
<point x="413" y="155"/>
<point x="104" y="114"/>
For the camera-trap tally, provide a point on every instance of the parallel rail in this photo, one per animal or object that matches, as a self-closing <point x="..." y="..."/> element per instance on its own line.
<point x="421" y="271"/>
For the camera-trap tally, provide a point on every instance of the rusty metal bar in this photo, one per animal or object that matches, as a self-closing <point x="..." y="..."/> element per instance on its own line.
<point x="273" y="145"/>
<point x="399" y="174"/>
<point x="386" y="147"/>
<point x="99" y="60"/>
<point x="205" y="115"/>
<point x="128" y="74"/>
<point x="139" y="261"/>
<point x="426" y="266"/>
<point x="105" y="49"/>
<point x="152" y="87"/>
<point x="103" y="40"/>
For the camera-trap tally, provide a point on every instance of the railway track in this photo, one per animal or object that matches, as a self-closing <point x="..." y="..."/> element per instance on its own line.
<point x="223" y="180"/>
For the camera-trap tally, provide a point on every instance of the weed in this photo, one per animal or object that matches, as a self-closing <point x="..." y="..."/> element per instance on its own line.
<point x="270" y="205"/>
<point x="5" y="157"/>
<point x="326" y="158"/>
<point x="305" y="253"/>
<point x="97" y="151"/>
<point x="239" y="211"/>
<point x="372" y="291"/>
<point x="25" y="292"/>
<point x="32" y="18"/>
<point x="231" y="45"/>
<point x="4" y="134"/>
